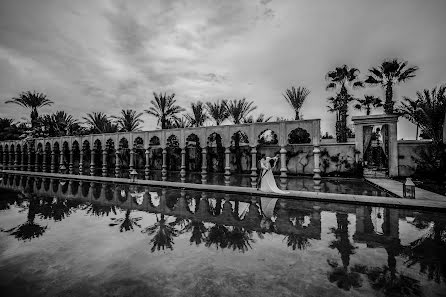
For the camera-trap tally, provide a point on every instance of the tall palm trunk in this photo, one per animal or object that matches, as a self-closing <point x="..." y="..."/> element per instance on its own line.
<point x="297" y="117"/>
<point x="388" y="105"/>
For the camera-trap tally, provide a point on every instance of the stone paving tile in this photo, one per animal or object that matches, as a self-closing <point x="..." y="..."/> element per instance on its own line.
<point x="436" y="205"/>
<point x="396" y="187"/>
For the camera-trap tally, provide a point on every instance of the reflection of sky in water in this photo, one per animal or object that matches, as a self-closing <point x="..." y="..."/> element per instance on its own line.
<point x="83" y="254"/>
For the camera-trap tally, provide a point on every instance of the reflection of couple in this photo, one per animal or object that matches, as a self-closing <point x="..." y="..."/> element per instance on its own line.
<point x="266" y="181"/>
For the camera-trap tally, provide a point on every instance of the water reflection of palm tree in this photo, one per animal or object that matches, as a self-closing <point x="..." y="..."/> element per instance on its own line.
<point x="29" y="229"/>
<point x="240" y="239"/>
<point x="429" y="251"/>
<point x="126" y="223"/>
<point x="218" y="236"/>
<point x="295" y="240"/>
<point x="96" y="209"/>
<point x="163" y="234"/>
<point x="57" y="209"/>
<point x="198" y="230"/>
<point x="344" y="278"/>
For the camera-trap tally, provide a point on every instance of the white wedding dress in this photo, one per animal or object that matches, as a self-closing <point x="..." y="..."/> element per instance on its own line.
<point x="267" y="183"/>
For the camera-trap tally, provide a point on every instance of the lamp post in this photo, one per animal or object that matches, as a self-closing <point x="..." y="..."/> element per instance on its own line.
<point x="409" y="189"/>
<point x="133" y="175"/>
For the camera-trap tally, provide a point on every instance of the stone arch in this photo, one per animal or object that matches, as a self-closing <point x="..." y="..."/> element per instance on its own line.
<point x="124" y="156"/>
<point x="75" y="150"/>
<point x="216" y="153"/>
<point x="97" y="147"/>
<point x="86" y="149"/>
<point x="299" y="136"/>
<point x="39" y="156"/>
<point x="139" y="156"/>
<point x="111" y="156"/>
<point x="154" y="141"/>
<point x="240" y="151"/>
<point x="18" y="157"/>
<point x="46" y="157"/>
<point x="193" y="153"/>
<point x="25" y="156"/>
<point x="56" y="152"/>
<point x="268" y="137"/>
<point x="6" y="156"/>
<point x="65" y="154"/>
<point x="173" y="159"/>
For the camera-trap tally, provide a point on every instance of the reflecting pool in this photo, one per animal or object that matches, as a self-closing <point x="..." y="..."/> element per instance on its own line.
<point x="70" y="238"/>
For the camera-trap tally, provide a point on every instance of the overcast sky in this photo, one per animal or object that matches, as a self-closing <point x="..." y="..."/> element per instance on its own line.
<point x="110" y="55"/>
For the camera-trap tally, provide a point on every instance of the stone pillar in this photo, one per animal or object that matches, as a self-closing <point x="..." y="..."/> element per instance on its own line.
<point x="53" y="161"/>
<point x="5" y="165"/>
<point x="147" y="166"/>
<point x="359" y="141"/>
<point x="30" y="165"/>
<point x="104" y="162"/>
<point x="227" y="166"/>
<point x="117" y="164"/>
<point x="44" y="159"/>
<point x="61" y="160"/>
<point x="132" y="159"/>
<point x="11" y="159"/>
<point x="36" y="161"/>
<point x="164" y="166"/>
<point x="283" y="168"/>
<point x="81" y="162"/>
<point x="393" y="150"/>
<point x="70" y="165"/>
<point x="183" y="165"/>
<point x="204" y="165"/>
<point x="92" y="164"/>
<point x="316" y="155"/>
<point x="253" y="167"/>
<point x="16" y="159"/>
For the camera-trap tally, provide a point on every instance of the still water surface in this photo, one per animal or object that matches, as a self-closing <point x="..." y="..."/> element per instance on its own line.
<point x="66" y="238"/>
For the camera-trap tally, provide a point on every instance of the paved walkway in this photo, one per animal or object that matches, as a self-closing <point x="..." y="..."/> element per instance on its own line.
<point x="396" y="188"/>
<point x="301" y="195"/>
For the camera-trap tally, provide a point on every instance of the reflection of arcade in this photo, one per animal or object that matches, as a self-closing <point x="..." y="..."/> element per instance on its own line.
<point x="293" y="217"/>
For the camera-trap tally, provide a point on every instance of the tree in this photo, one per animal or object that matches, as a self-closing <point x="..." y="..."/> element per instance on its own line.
<point x="388" y="74"/>
<point x="261" y="118"/>
<point x="296" y="97"/>
<point x="164" y="108"/>
<point x="340" y="80"/>
<point x="239" y="109"/>
<point x="99" y="122"/>
<point x="367" y="103"/>
<point x="9" y="130"/>
<point x="163" y="232"/>
<point x="128" y="120"/>
<point x="59" y="124"/>
<point x="217" y="111"/>
<point x="127" y="223"/>
<point x="182" y="122"/>
<point x="33" y="101"/>
<point x="198" y="115"/>
<point x="427" y="112"/>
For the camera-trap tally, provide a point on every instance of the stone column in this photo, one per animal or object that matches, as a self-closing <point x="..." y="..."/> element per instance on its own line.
<point x="316" y="155"/>
<point x="70" y="165"/>
<point x="53" y="161"/>
<point x="16" y="160"/>
<point x="36" y="161"/>
<point x="227" y="166"/>
<point x="117" y="164"/>
<point x="5" y="165"/>
<point x="164" y="171"/>
<point x="44" y="159"/>
<point x="30" y="165"/>
<point x="147" y="166"/>
<point x="11" y="159"/>
<point x="183" y="165"/>
<point x="92" y="164"/>
<point x="132" y="159"/>
<point x="61" y="160"/>
<point x="393" y="150"/>
<point x="81" y="162"/>
<point x="283" y="168"/>
<point x="204" y="164"/>
<point x="253" y="167"/>
<point x="104" y="162"/>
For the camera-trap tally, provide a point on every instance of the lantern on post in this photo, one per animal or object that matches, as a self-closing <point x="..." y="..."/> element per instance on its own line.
<point x="409" y="189"/>
<point x="133" y="175"/>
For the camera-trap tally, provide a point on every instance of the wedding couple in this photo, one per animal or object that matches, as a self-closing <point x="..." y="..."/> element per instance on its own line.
<point x="266" y="182"/>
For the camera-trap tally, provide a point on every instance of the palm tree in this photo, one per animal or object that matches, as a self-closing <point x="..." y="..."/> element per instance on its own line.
<point x="59" y="124"/>
<point x="427" y="111"/>
<point x="217" y="111"/>
<point x="198" y="115"/>
<point x="100" y="123"/>
<point x="340" y="79"/>
<point x="9" y="130"/>
<point x="128" y="120"/>
<point x="296" y="240"/>
<point x="367" y="103"/>
<point x="261" y="118"/>
<point x="239" y="109"/>
<point x="218" y="236"/>
<point x="164" y="108"/>
<point x="388" y="74"/>
<point x="240" y="239"/>
<point x="296" y="97"/>
<point x="182" y="122"/>
<point x="32" y="101"/>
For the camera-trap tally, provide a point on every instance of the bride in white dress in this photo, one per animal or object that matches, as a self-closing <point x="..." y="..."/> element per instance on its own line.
<point x="267" y="182"/>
